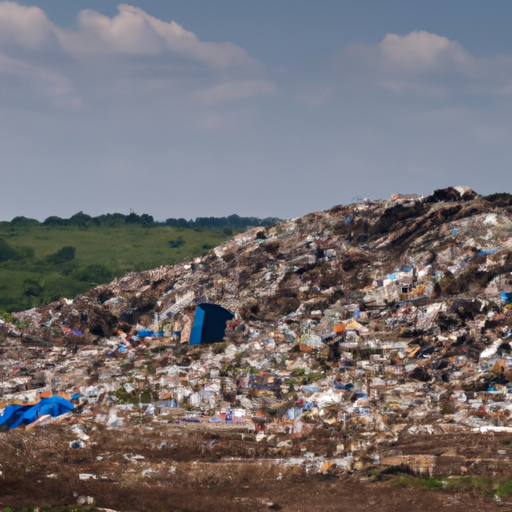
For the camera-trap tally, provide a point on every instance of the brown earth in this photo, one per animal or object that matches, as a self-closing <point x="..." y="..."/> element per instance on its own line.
<point x="176" y="470"/>
<point x="249" y="492"/>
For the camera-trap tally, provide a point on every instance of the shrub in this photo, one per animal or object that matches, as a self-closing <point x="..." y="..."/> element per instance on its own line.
<point x="176" y="244"/>
<point x="23" y="221"/>
<point x="228" y="257"/>
<point x="95" y="273"/>
<point x="32" y="287"/>
<point x="219" y="348"/>
<point x="6" y="251"/>
<point x="55" y="221"/>
<point x="64" y="254"/>
<point x="7" y="317"/>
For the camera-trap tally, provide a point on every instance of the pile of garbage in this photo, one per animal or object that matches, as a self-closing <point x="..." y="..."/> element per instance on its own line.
<point x="364" y="322"/>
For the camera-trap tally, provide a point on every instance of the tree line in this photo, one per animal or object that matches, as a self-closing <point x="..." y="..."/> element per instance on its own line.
<point x="82" y="220"/>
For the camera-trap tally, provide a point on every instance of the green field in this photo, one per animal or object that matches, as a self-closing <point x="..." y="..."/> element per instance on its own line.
<point x="34" y="268"/>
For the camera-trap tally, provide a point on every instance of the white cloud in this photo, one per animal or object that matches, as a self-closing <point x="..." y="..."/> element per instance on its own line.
<point x="423" y="52"/>
<point x="134" y="32"/>
<point x="27" y="27"/>
<point x="131" y="32"/>
<point x="425" y="64"/>
<point x="127" y="57"/>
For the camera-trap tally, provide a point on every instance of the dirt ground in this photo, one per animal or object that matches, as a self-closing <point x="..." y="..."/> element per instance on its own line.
<point x="177" y="470"/>
<point x="309" y="495"/>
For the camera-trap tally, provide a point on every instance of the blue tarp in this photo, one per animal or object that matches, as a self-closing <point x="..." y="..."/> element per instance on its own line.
<point x="16" y="415"/>
<point x="486" y="252"/>
<point x="145" y="333"/>
<point x="506" y="298"/>
<point x="209" y="324"/>
<point x="346" y="387"/>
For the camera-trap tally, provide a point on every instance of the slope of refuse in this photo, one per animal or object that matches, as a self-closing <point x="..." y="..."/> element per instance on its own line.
<point x="369" y="335"/>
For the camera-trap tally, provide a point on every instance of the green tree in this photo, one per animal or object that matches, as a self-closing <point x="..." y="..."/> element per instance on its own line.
<point x="6" y="251"/>
<point x="64" y="254"/>
<point x="95" y="274"/>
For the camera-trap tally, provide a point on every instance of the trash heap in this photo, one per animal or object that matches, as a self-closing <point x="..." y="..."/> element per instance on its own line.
<point x="356" y="325"/>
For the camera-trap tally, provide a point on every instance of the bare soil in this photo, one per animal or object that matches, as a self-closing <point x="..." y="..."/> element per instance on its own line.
<point x="172" y="470"/>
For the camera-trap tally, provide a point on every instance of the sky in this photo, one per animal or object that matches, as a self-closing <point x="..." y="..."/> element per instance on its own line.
<point x="261" y="108"/>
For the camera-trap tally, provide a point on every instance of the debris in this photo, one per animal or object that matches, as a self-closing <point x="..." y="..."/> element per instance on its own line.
<point x="87" y="476"/>
<point x="344" y="329"/>
<point x="271" y="504"/>
<point x="85" y="500"/>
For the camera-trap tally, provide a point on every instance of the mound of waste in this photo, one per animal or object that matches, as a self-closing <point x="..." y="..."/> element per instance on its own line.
<point x="356" y="326"/>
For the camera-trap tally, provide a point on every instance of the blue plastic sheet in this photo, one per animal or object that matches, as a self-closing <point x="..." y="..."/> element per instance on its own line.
<point x="16" y="415"/>
<point x="486" y="252"/>
<point x="506" y="298"/>
<point x="146" y="333"/>
<point x="291" y="414"/>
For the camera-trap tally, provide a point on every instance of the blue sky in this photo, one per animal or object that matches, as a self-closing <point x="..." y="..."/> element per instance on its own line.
<point x="267" y="108"/>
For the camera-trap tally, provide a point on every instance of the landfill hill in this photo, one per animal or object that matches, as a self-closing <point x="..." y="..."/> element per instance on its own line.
<point x="370" y="343"/>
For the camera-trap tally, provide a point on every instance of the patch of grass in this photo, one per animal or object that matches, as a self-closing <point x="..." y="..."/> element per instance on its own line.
<point x="434" y="483"/>
<point x="219" y="348"/>
<point x="31" y="274"/>
<point x="312" y="377"/>
<point x="504" y="489"/>
<point x="487" y="486"/>
<point x="470" y="483"/>
<point x="229" y="257"/>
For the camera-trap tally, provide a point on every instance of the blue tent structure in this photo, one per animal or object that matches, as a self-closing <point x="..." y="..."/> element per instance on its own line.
<point x="16" y="415"/>
<point x="209" y="324"/>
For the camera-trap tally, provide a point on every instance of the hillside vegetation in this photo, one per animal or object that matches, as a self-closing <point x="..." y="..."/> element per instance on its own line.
<point x="41" y="262"/>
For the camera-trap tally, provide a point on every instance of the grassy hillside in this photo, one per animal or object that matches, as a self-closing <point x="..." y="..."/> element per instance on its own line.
<point x="40" y="263"/>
